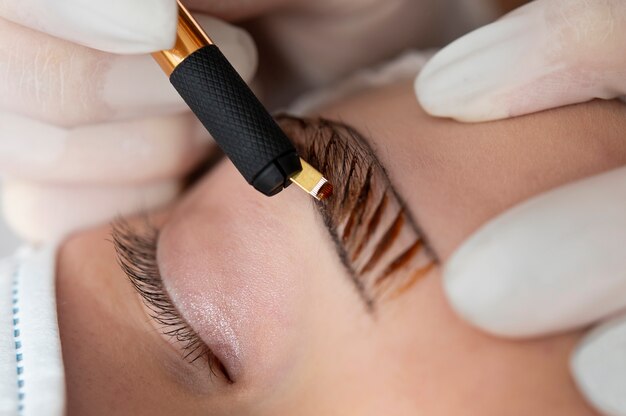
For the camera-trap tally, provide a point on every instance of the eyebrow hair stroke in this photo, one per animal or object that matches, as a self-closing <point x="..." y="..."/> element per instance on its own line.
<point x="378" y="241"/>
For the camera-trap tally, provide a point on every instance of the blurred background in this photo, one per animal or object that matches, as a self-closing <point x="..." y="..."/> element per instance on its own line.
<point x="8" y="241"/>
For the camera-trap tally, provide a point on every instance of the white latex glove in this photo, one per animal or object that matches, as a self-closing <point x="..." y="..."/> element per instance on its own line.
<point x="303" y="43"/>
<point x="87" y="135"/>
<point x="557" y="262"/>
<point x="546" y="54"/>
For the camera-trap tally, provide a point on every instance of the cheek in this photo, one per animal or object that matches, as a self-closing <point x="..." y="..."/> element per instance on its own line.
<point x="229" y="260"/>
<point x="110" y="353"/>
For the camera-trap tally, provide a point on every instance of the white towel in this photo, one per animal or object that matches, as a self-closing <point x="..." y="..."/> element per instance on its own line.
<point x="31" y="364"/>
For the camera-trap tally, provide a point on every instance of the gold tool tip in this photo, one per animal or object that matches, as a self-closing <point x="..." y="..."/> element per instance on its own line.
<point x="312" y="182"/>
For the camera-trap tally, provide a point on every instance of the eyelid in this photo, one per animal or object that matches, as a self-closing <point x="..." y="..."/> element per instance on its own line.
<point x="376" y="237"/>
<point x="136" y="254"/>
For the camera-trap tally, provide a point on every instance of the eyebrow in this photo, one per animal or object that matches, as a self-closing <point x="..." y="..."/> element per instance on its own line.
<point x="355" y="215"/>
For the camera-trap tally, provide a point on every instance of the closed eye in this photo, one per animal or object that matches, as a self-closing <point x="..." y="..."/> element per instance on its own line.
<point x="136" y="249"/>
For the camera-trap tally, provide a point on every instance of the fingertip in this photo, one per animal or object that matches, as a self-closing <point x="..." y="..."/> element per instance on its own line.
<point x="41" y="213"/>
<point x="440" y="93"/>
<point x="480" y="76"/>
<point x="531" y="60"/>
<point x="482" y="290"/>
<point x="129" y="27"/>
<point x="598" y="366"/>
<point x="550" y="264"/>
<point x="114" y="26"/>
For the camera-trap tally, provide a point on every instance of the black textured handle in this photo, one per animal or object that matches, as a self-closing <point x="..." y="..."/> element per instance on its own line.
<point x="236" y="119"/>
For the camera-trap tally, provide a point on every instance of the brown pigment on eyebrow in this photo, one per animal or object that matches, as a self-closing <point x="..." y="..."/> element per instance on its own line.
<point x="344" y="156"/>
<point x="360" y="211"/>
<point x="358" y="208"/>
<point x="399" y="262"/>
<point x="346" y="195"/>
<point x="416" y="276"/>
<point x="385" y="242"/>
<point x="331" y="144"/>
<point x="372" y="224"/>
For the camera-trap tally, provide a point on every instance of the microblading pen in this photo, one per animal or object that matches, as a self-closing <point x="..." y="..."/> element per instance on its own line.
<point x="236" y="119"/>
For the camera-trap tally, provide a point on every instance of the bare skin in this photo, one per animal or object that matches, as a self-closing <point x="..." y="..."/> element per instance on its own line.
<point x="306" y="343"/>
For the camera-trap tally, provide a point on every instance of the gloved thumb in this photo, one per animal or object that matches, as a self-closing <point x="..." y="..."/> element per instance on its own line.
<point x="116" y="26"/>
<point x="599" y="366"/>
<point x="546" y="54"/>
<point x="553" y="263"/>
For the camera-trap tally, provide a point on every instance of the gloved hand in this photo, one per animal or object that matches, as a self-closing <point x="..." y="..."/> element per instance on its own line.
<point x="557" y="262"/>
<point x="305" y="43"/>
<point x="87" y="135"/>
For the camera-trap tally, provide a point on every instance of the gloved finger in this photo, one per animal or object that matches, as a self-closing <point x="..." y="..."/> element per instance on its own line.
<point x="39" y="213"/>
<point x="116" y="26"/>
<point x="62" y="83"/>
<point x="547" y="54"/>
<point x="599" y="367"/>
<point x="553" y="263"/>
<point x="123" y="152"/>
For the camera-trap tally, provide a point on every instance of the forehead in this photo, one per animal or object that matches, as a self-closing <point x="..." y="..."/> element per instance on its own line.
<point x="455" y="176"/>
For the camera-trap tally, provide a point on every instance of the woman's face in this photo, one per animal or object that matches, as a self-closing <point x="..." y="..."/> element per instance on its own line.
<point x="293" y="307"/>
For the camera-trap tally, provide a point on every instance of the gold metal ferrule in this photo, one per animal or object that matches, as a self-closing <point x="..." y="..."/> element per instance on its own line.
<point x="189" y="38"/>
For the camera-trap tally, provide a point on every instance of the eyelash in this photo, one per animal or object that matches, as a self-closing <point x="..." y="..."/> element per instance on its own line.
<point x="136" y="255"/>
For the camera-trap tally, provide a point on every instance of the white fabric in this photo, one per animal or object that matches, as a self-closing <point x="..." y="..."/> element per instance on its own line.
<point x="31" y="364"/>
<point x="8" y="371"/>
